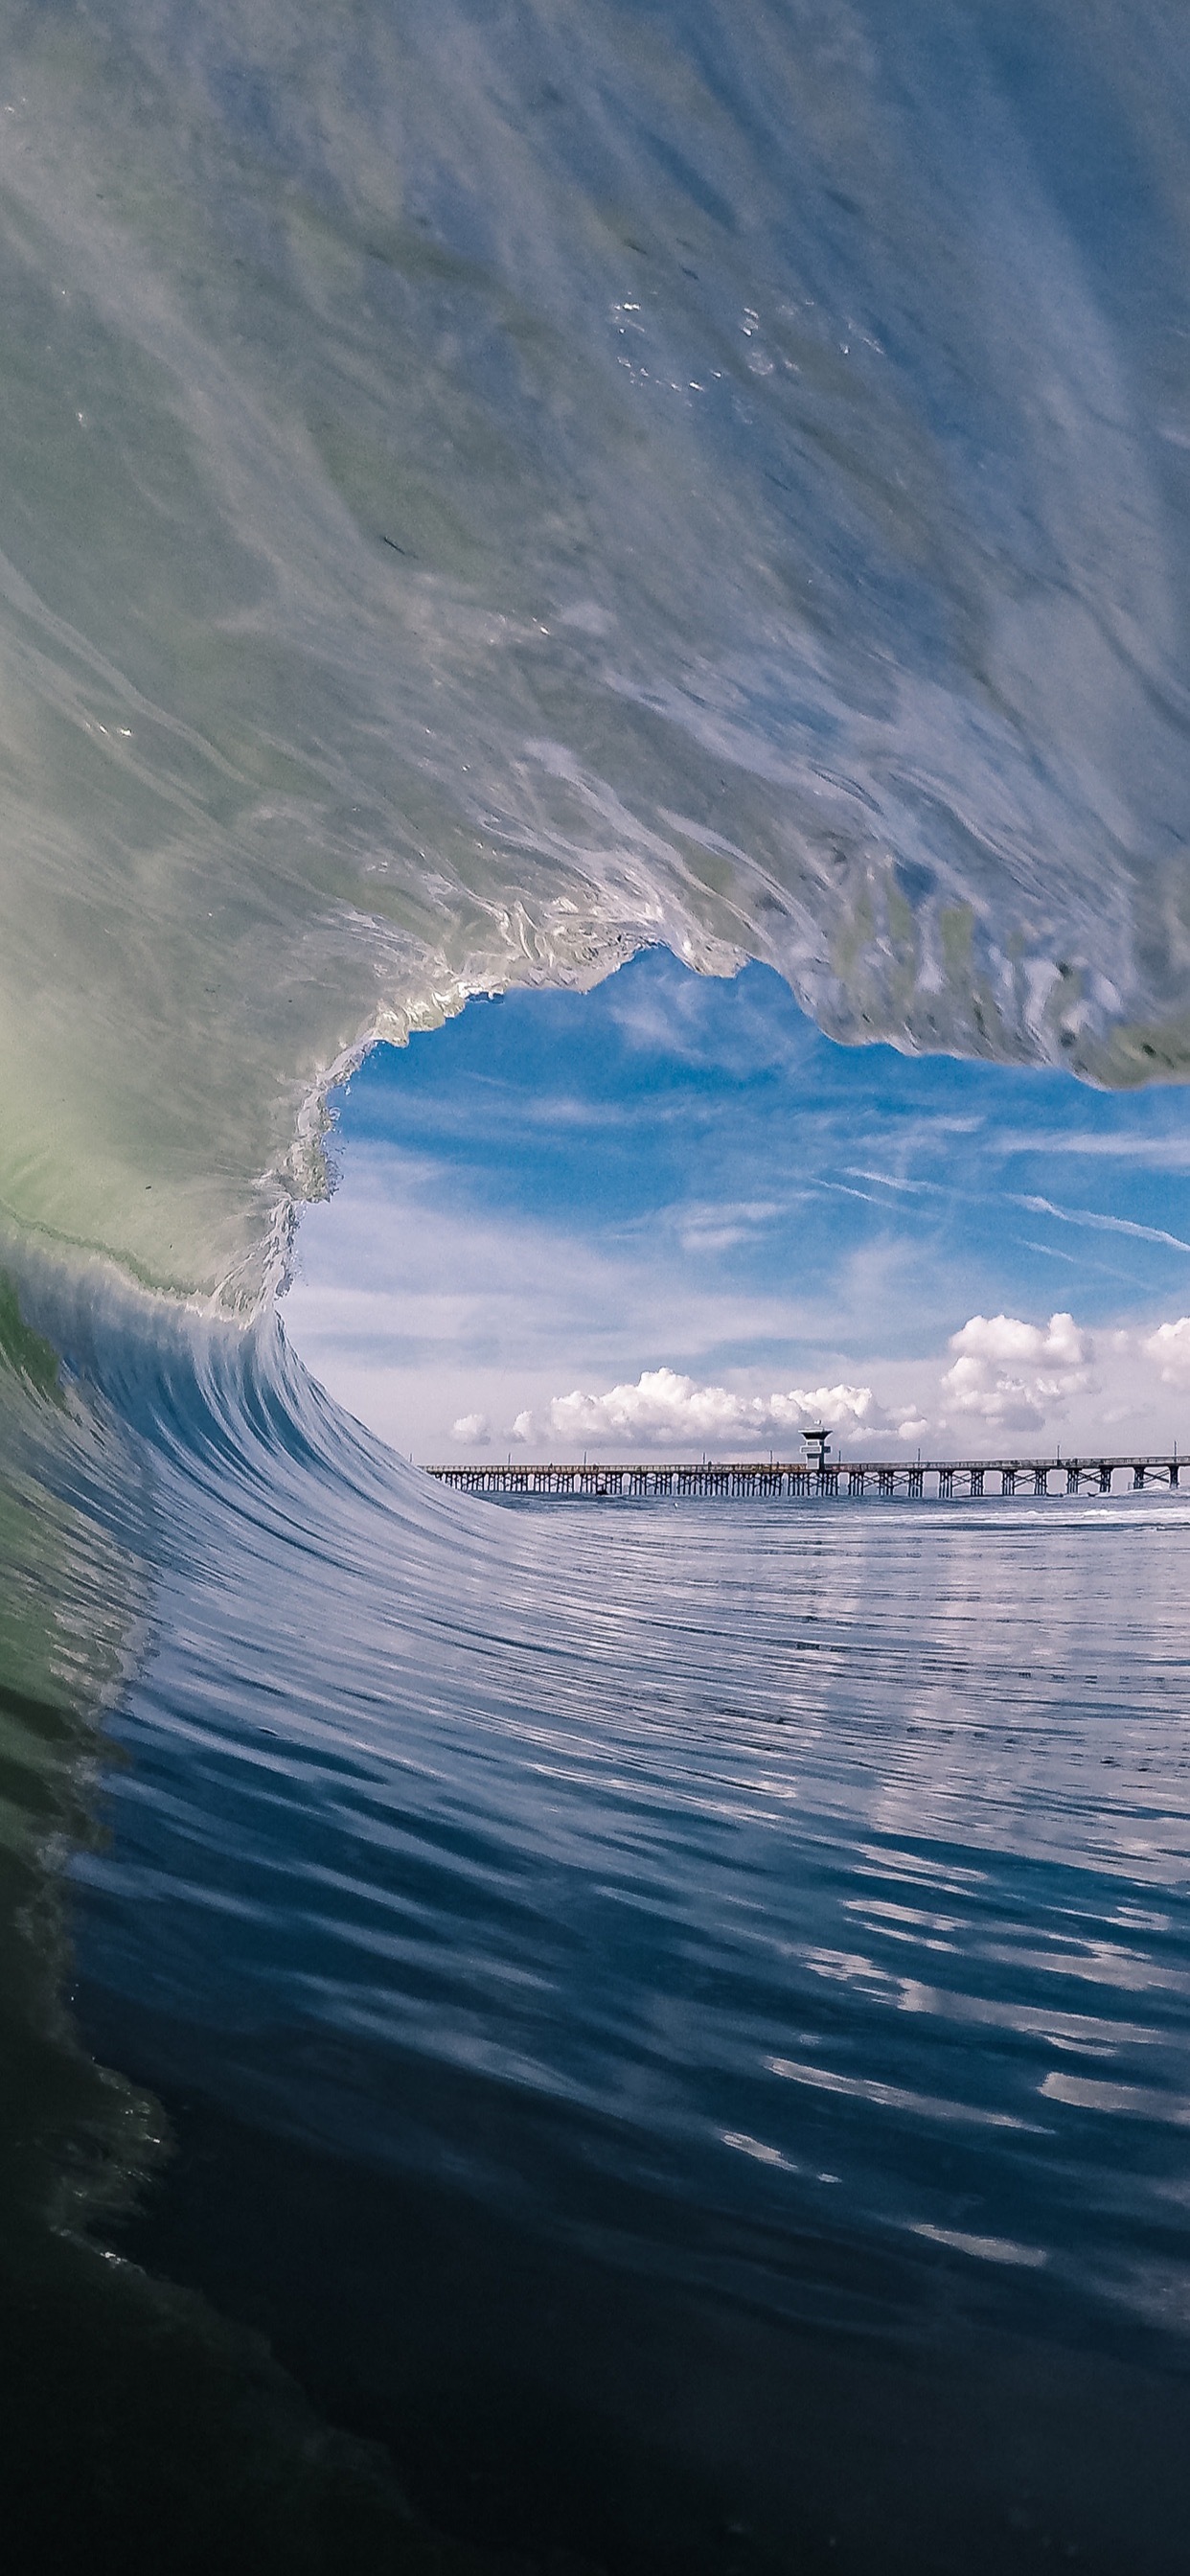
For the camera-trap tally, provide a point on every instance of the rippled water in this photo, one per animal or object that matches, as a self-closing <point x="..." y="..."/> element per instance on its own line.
<point x="699" y="1989"/>
<point x="674" y="2024"/>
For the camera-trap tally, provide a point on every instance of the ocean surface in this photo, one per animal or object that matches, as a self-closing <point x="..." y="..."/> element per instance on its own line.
<point x="672" y="2020"/>
<point x="570" y="2043"/>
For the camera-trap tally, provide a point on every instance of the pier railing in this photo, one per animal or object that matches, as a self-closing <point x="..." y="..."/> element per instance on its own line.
<point x="937" y="1479"/>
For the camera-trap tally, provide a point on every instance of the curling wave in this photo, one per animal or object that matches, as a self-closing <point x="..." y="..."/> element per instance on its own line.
<point x="481" y="490"/>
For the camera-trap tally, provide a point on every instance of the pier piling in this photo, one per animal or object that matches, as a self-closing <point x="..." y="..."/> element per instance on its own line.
<point x="744" y="1480"/>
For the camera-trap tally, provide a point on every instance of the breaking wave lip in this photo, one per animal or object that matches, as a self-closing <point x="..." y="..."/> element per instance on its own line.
<point x="480" y="499"/>
<point x="480" y="496"/>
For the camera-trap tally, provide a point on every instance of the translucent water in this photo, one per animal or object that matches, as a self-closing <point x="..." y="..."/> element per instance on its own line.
<point x="676" y="2030"/>
<point x="482" y="489"/>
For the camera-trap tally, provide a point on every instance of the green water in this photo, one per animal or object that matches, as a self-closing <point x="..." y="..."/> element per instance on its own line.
<point x="483" y="491"/>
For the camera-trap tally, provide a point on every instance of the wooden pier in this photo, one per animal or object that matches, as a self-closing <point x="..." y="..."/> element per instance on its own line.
<point x="941" y="1480"/>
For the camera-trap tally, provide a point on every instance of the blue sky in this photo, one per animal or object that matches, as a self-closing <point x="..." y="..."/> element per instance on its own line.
<point x="654" y="1215"/>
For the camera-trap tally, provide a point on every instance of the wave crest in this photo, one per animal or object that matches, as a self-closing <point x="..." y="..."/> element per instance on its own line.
<point x="484" y="493"/>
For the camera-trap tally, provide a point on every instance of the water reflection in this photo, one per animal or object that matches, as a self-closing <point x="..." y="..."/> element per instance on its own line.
<point x="780" y="1909"/>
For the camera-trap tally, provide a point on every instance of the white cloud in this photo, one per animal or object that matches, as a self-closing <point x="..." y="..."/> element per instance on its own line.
<point x="524" y="1428"/>
<point x="663" y="1407"/>
<point x="1170" y="1347"/>
<point x="472" y="1430"/>
<point x="1010" y="1374"/>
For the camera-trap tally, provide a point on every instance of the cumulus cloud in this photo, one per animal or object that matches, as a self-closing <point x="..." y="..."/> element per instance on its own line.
<point x="1010" y="1374"/>
<point x="1169" y="1346"/>
<point x="999" y="1377"/>
<point x="665" y="1408"/>
<point x="472" y="1430"/>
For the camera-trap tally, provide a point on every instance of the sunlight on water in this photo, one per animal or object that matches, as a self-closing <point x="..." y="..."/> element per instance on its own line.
<point x="772" y="1906"/>
<point x="673" y="2027"/>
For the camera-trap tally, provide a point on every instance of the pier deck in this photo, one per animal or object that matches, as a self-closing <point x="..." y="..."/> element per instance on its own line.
<point x="936" y="1479"/>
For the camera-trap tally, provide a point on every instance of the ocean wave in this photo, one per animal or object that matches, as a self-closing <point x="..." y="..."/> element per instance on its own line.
<point x="480" y="492"/>
<point x="485" y="491"/>
<point x="695" y="1905"/>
